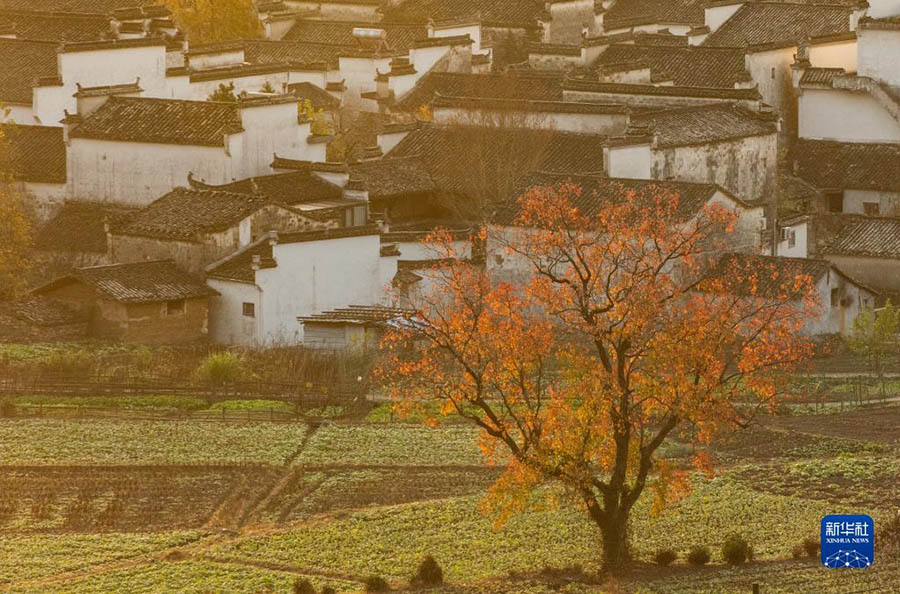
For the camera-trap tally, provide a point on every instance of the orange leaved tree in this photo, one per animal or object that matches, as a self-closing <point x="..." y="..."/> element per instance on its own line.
<point x="619" y="331"/>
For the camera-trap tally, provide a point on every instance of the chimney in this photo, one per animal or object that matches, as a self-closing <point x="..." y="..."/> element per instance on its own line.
<point x="356" y="189"/>
<point x="256" y="263"/>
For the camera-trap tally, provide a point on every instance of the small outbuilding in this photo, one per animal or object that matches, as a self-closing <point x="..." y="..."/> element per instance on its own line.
<point x="357" y="327"/>
<point x="148" y="302"/>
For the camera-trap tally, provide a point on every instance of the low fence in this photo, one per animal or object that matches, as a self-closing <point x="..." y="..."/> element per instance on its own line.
<point x="840" y="390"/>
<point x="302" y="395"/>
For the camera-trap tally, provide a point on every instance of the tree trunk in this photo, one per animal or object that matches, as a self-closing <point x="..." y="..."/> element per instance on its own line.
<point x="616" y="552"/>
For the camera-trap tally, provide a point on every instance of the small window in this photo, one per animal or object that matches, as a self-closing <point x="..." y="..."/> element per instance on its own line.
<point x="773" y="74"/>
<point x="872" y="209"/>
<point x="249" y="310"/>
<point x="175" y="308"/>
<point x="792" y="238"/>
<point x="835" y="201"/>
<point x="835" y="297"/>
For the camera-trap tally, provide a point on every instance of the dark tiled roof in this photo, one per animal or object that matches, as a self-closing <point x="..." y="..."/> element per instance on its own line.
<point x="296" y="187"/>
<point x="37" y="153"/>
<point x="764" y="276"/>
<point x="388" y="178"/>
<point x="704" y="124"/>
<point x="319" y="97"/>
<point x="523" y="13"/>
<point x="845" y="165"/>
<point x="779" y="24"/>
<point x="166" y="121"/>
<point x="494" y="86"/>
<point x="79" y="227"/>
<point x="629" y="13"/>
<point x="687" y="66"/>
<point x="820" y="76"/>
<point x="595" y="86"/>
<point x="358" y="314"/>
<point x="240" y="266"/>
<point x="597" y="190"/>
<point x="55" y="26"/>
<point x="289" y="52"/>
<point x="24" y="62"/>
<point x="398" y="36"/>
<point x="141" y="282"/>
<point x="866" y="236"/>
<point x="184" y="213"/>
<point x="440" y="150"/>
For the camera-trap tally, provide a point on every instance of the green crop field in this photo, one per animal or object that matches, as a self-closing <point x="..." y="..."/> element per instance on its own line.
<point x="98" y="505"/>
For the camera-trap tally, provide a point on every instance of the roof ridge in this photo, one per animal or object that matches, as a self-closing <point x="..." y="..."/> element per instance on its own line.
<point x="119" y="98"/>
<point x="122" y="264"/>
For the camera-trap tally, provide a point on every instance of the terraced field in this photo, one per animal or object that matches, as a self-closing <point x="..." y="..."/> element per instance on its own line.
<point x="102" y="505"/>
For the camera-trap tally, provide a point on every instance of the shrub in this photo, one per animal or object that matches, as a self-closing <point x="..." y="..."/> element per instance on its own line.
<point x="811" y="546"/>
<point x="665" y="557"/>
<point x="735" y="549"/>
<point x="303" y="586"/>
<point x="797" y="551"/>
<point x="698" y="555"/>
<point x="7" y="409"/>
<point x="429" y="573"/>
<point x="222" y="368"/>
<point x="376" y="583"/>
<point x="328" y="590"/>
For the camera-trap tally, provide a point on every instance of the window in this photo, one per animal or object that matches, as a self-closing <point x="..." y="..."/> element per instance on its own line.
<point x="249" y="310"/>
<point x="872" y="209"/>
<point x="773" y="74"/>
<point x="835" y="297"/>
<point x="835" y="201"/>
<point x="175" y="308"/>
<point x="792" y="238"/>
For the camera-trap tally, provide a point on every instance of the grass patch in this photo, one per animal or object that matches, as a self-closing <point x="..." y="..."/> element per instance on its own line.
<point x="396" y="445"/>
<point x="165" y="402"/>
<point x="35" y="557"/>
<point x="191" y="577"/>
<point x="63" y="442"/>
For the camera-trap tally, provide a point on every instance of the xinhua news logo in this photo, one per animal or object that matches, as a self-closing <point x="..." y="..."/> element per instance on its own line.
<point x="848" y="542"/>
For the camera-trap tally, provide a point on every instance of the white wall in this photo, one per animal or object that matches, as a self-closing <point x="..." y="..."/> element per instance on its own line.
<point x="715" y="16"/>
<point x="227" y="323"/>
<point x="316" y="276"/>
<point x="830" y="114"/>
<point x="271" y="129"/>
<point x="800" y="247"/>
<point x="888" y="202"/>
<point x="838" y="319"/>
<point x="136" y="174"/>
<point x="473" y="31"/>
<point x="359" y="74"/>
<point x="611" y="124"/>
<point x="837" y="54"/>
<point x="21" y="114"/>
<point x="634" y="162"/>
<point x="883" y="8"/>
<point x="879" y="55"/>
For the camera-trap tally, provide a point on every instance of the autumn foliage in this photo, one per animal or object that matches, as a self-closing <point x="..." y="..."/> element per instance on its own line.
<point x="212" y="21"/>
<point x="620" y="329"/>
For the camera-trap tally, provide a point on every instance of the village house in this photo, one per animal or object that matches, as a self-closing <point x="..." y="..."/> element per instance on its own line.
<point x="723" y="144"/>
<point x="75" y="237"/>
<point x="770" y="34"/>
<point x="866" y="248"/>
<point x="597" y="190"/>
<point x="147" y="302"/>
<point x="265" y="287"/>
<point x="196" y="227"/>
<point x="132" y="150"/>
<point x="354" y="328"/>
<point x="840" y="298"/>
